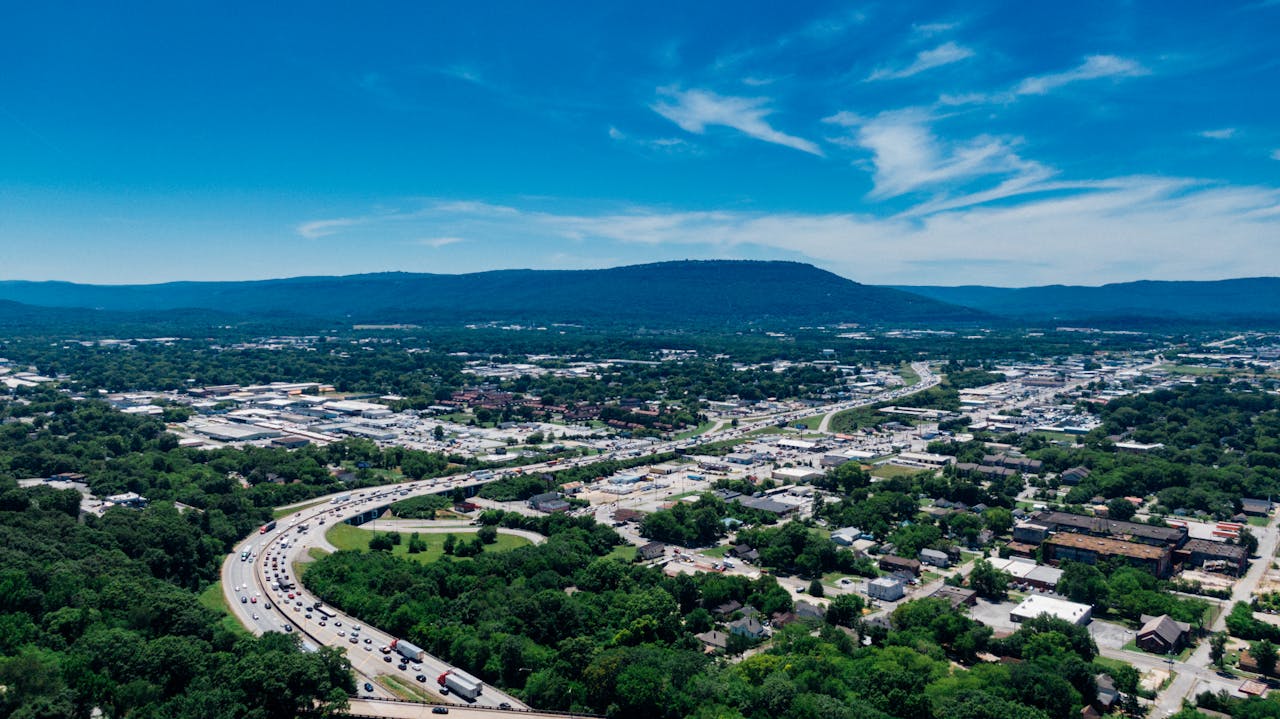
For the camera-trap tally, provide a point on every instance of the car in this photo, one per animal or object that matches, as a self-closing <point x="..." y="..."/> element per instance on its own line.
<point x="340" y="632"/>
<point x="353" y="640"/>
<point x="367" y="640"/>
<point x="255" y="617"/>
<point x="337" y="623"/>
<point x="440" y="710"/>
<point x="384" y="649"/>
<point x="291" y="595"/>
<point x="266" y="605"/>
<point x="368" y="648"/>
<point x="244" y="600"/>
<point x="288" y="627"/>
<point x="253" y="600"/>
<point x="421" y="677"/>
<point x="444" y="690"/>
<point x="504" y="705"/>
<point x="356" y="628"/>
<point x="417" y="667"/>
<point x="386" y="658"/>
<point x="368" y="687"/>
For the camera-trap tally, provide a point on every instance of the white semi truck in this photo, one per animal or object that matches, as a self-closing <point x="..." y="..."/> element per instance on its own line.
<point x="461" y="684"/>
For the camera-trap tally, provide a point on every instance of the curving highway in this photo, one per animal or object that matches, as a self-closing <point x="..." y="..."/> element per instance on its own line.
<point x="252" y="582"/>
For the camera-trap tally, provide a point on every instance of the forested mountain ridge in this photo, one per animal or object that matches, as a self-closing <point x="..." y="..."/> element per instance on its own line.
<point x="661" y="293"/>
<point x="1245" y="298"/>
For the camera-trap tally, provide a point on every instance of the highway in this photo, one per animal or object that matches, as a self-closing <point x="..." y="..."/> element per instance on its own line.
<point x="247" y="583"/>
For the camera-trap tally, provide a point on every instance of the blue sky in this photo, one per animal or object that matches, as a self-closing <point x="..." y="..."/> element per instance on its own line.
<point x="891" y="142"/>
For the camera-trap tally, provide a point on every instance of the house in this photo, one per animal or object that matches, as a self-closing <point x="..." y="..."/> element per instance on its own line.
<point x="1075" y="475"/>
<point x="890" y="563"/>
<point x="886" y="589"/>
<point x="846" y="536"/>
<point x="652" y="550"/>
<point x="935" y="558"/>
<point x="749" y="627"/>
<point x="1107" y="696"/>
<point x="714" y="641"/>
<point x="1256" y="507"/>
<point x="727" y="608"/>
<point x="805" y="610"/>
<point x="745" y="553"/>
<point x="1162" y="635"/>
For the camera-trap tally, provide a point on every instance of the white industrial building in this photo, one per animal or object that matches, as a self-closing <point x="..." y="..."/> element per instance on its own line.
<point x="1037" y="604"/>
<point x="886" y="589"/>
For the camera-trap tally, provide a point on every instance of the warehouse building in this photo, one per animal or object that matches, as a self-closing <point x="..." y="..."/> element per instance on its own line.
<point x="1068" y="546"/>
<point x="1037" y="604"/>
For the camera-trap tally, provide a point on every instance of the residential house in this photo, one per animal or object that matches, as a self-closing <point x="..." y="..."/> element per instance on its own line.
<point x="1162" y="635"/>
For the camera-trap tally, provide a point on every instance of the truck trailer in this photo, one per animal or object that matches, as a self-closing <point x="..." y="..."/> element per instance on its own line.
<point x="407" y="650"/>
<point x="461" y="684"/>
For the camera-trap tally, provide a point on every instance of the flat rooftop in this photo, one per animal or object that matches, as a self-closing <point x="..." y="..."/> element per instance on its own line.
<point x="1105" y="545"/>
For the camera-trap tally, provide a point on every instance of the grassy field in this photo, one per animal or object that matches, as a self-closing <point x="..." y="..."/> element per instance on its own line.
<point x="625" y="552"/>
<point x="212" y="599"/>
<point x="908" y="375"/>
<point x="282" y="512"/>
<point x="345" y="536"/>
<point x="810" y="422"/>
<point x="719" y="551"/>
<point x="1259" y="521"/>
<point x="889" y="471"/>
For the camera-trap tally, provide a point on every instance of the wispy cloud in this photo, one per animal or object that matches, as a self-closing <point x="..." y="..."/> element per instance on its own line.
<point x="696" y="110"/>
<point x="1225" y="133"/>
<point x="323" y="228"/>
<point x="944" y="54"/>
<point x="1275" y="154"/>
<point x="908" y="156"/>
<point x="930" y="29"/>
<point x="1094" y="67"/>
<point x="438" y="242"/>
<point x="668" y="144"/>
<point x="1104" y="230"/>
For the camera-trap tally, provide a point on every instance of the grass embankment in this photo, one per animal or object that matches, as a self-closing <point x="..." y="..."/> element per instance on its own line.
<point x="345" y="536"/>
<point x="908" y="374"/>
<point x="286" y="511"/>
<point x="213" y="600"/>
<point x="625" y="552"/>
<point x="405" y="689"/>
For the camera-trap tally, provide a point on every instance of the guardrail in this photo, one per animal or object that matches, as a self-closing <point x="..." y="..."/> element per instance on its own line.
<point x="465" y="708"/>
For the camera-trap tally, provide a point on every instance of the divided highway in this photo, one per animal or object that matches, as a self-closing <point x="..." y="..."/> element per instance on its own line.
<point x="248" y="579"/>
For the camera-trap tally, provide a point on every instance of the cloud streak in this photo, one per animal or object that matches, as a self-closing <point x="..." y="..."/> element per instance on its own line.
<point x="696" y="110"/>
<point x="1094" y="67"/>
<point x="945" y="54"/>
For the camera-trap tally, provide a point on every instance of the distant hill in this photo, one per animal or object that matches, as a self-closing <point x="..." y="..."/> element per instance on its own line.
<point x="1240" y="299"/>
<point x="666" y="293"/>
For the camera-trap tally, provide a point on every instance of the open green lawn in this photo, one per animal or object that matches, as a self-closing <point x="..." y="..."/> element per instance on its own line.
<point x="1259" y="521"/>
<point x="888" y="471"/>
<point x="282" y="512"/>
<point x="345" y="536"/>
<point x="810" y="422"/>
<point x="625" y="552"/>
<point x="212" y="599"/>
<point x="719" y="551"/>
<point x="1131" y="646"/>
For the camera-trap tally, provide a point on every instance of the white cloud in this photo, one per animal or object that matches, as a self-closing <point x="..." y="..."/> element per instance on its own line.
<point x="1225" y="133"/>
<point x="1083" y="233"/>
<point x="438" y="242"/>
<point x="1093" y="67"/>
<point x="933" y="28"/>
<point x="944" y="54"/>
<point x="696" y="110"/>
<point x="1275" y="154"/>
<point x="907" y="156"/>
<point x="323" y="228"/>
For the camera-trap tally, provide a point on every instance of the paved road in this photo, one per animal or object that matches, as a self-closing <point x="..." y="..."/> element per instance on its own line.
<point x="411" y="710"/>
<point x="253" y="578"/>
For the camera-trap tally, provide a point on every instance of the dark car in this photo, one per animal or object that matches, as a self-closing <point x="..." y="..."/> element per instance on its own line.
<point x="368" y="687"/>
<point x="421" y="677"/>
<point x="386" y="658"/>
<point x="440" y="710"/>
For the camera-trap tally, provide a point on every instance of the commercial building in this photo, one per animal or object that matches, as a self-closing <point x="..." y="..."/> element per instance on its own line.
<point x="1214" y="556"/>
<point x="886" y="589"/>
<point x="1099" y="527"/>
<point x="1068" y="546"/>
<point x="1037" y="604"/>
<point x="957" y="596"/>
<point x="935" y="558"/>
<point x="1028" y="572"/>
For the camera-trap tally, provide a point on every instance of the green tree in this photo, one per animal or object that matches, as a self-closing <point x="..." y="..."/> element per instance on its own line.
<point x="987" y="581"/>
<point x="487" y="534"/>
<point x="816" y="589"/>
<point x="1264" y="655"/>
<point x="1218" y="649"/>
<point x="450" y="544"/>
<point x="381" y="543"/>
